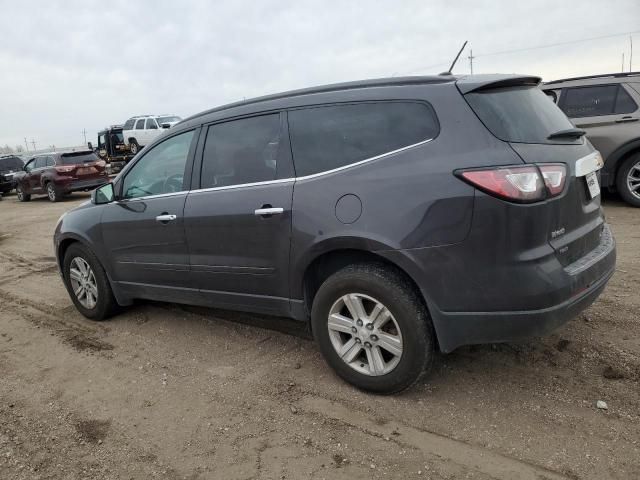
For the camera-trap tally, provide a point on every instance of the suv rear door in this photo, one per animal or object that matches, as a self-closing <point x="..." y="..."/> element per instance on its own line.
<point x="238" y="222"/>
<point x="608" y="113"/>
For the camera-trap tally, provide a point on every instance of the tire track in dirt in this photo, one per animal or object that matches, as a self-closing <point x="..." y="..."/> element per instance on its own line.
<point x="473" y="457"/>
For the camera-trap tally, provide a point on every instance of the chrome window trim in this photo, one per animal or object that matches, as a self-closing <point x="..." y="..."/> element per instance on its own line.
<point x="149" y="197"/>
<point x="243" y="185"/>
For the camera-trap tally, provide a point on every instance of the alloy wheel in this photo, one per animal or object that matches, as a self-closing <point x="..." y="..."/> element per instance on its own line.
<point x="51" y="192"/>
<point x="633" y="180"/>
<point x="20" y="193"/>
<point x="364" y="334"/>
<point x="83" y="282"/>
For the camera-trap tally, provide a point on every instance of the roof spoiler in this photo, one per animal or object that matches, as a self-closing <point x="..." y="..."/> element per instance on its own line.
<point x="474" y="83"/>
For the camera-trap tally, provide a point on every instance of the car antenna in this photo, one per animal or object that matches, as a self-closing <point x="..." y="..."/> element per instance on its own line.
<point x="448" y="72"/>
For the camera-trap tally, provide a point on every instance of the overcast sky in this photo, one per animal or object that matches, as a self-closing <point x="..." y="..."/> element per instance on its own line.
<point x="65" y="66"/>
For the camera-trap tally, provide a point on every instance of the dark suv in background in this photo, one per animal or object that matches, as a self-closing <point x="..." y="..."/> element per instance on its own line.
<point x="9" y="166"/>
<point x="58" y="174"/>
<point x="607" y="108"/>
<point x="396" y="215"/>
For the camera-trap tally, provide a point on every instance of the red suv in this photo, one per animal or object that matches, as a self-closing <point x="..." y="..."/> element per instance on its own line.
<point x="57" y="174"/>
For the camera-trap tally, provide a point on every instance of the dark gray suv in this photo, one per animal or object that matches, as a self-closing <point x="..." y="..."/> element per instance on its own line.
<point x="397" y="216"/>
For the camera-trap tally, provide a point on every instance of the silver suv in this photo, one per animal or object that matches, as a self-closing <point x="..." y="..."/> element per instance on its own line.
<point x="606" y="107"/>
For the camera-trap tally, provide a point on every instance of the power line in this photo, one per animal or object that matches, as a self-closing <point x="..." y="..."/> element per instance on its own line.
<point x="504" y="52"/>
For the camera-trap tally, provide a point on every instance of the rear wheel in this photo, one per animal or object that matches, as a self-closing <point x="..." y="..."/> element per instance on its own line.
<point x="628" y="180"/>
<point x="133" y="146"/>
<point x="87" y="283"/>
<point x="53" y="193"/>
<point x="22" y="196"/>
<point x="372" y="328"/>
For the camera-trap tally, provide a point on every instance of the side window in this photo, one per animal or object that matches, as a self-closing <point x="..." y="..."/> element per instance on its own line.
<point x="41" y="162"/>
<point x="31" y="164"/>
<point x="589" y="101"/>
<point x="129" y="124"/>
<point x="151" y="124"/>
<point x="324" y="138"/>
<point x="140" y="124"/>
<point x="241" y="151"/>
<point x="50" y="162"/>
<point x="624" y="102"/>
<point x="160" y="170"/>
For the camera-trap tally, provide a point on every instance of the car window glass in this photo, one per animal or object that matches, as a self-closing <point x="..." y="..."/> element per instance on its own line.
<point x="589" y="101"/>
<point x="151" y="123"/>
<point x="241" y="151"/>
<point x="160" y="170"/>
<point x="31" y="164"/>
<point x="140" y="124"/>
<point x="624" y="102"/>
<point x="41" y="162"/>
<point x="50" y="162"/>
<point x="324" y="138"/>
<point x="129" y="124"/>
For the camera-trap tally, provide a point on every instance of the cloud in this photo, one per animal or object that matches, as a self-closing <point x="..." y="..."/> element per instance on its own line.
<point x="67" y="66"/>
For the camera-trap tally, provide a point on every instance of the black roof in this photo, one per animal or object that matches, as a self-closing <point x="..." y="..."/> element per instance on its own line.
<point x="334" y="87"/>
<point x="603" y="75"/>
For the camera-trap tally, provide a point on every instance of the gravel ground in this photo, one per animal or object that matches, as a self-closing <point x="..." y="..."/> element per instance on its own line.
<point x="167" y="391"/>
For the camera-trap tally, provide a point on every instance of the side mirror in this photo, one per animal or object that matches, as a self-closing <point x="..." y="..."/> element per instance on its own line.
<point x="89" y="145"/>
<point x="103" y="194"/>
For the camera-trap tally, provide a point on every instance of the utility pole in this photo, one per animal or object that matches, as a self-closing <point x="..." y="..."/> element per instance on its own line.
<point x="622" y="61"/>
<point x="84" y="132"/>
<point x="33" y="142"/>
<point x="26" y="144"/>
<point x="630" y="53"/>
<point x="471" y="57"/>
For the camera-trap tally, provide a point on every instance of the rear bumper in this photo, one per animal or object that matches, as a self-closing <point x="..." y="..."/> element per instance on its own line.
<point x="585" y="278"/>
<point x="79" y="185"/>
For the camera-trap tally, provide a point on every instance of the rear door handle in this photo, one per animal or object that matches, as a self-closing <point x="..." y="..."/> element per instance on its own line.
<point x="165" y="217"/>
<point x="269" y="211"/>
<point x="627" y="119"/>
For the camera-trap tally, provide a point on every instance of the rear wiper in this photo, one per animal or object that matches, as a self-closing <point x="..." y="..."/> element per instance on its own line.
<point x="569" y="132"/>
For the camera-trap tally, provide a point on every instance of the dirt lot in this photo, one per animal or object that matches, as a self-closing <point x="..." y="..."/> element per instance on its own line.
<point x="165" y="391"/>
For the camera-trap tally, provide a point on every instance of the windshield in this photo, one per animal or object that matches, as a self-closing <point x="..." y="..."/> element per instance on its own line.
<point x="168" y="119"/>
<point x="520" y="114"/>
<point x="80" y="157"/>
<point x="11" y="163"/>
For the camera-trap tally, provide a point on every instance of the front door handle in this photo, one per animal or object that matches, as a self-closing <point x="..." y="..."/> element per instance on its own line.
<point x="268" y="211"/>
<point x="165" y="218"/>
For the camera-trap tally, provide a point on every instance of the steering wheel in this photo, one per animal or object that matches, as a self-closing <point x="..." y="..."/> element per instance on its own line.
<point x="173" y="183"/>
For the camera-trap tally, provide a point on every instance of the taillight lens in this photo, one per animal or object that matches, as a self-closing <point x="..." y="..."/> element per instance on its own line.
<point x="554" y="176"/>
<point x="520" y="184"/>
<point x="65" y="169"/>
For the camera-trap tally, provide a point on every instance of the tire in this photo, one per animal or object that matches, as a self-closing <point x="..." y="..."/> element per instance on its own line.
<point x="22" y="197"/>
<point x="53" y="193"/>
<point x="629" y="168"/>
<point x="105" y="303"/>
<point x="134" y="148"/>
<point x="409" y="323"/>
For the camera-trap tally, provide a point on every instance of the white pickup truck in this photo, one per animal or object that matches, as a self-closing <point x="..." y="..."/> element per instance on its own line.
<point x="141" y="130"/>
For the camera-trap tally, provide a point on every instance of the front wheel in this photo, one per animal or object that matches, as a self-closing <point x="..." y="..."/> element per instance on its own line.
<point x="133" y="146"/>
<point x="628" y="180"/>
<point x="372" y="328"/>
<point x="87" y="283"/>
<point x="22" y="196"/>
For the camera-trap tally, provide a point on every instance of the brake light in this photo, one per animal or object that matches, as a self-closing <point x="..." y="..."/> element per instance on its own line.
<point x="554" y="177"/>
<point x="65" y="169"/>
<point x="520" y="184"/>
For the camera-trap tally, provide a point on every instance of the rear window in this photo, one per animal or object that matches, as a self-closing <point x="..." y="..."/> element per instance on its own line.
<point x="168" y="119"/>
<point x="324" y="138"/>
<point x="519" y="114"/>
<point x="80" y="157"/>
<point x="11" y="163"/>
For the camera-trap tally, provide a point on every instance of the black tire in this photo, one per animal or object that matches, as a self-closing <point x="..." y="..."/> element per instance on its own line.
<point x="633" y="162"/>
<point x="398" y="295"/>
<point x="54" y="194"/>
<point x="133" y="146"/>
<point x="106" y="304"/>
<point x="22" y="197"/>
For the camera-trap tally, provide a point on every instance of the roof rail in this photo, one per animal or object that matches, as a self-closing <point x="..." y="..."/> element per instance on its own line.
<point x="604" y="75"/>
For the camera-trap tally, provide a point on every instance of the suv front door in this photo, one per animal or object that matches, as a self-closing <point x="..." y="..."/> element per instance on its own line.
<point x="35" y="175"/>
<point x="143" y="230"/>
<point x="238" y="223"/>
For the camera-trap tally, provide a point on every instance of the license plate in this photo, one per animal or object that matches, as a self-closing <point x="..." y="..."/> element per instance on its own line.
<point x="592" y="184"/>
<point x="85" y="170"/>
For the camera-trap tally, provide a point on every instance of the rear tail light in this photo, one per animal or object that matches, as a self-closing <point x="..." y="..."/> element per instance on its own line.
<point x="520" y="184"/>
<point x="65" y="169"/>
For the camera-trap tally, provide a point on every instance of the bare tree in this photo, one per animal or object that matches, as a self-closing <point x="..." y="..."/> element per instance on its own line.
<point x="19" y="149"/>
